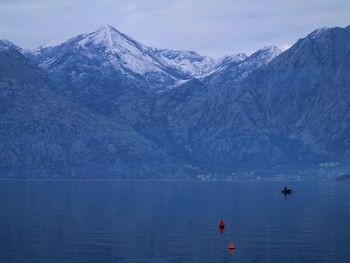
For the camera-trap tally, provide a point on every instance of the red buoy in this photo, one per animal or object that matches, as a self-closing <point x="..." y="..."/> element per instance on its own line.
<point x="231" y="245"/>
<point x="222" y="224"/>
<point x="231" y="248"/>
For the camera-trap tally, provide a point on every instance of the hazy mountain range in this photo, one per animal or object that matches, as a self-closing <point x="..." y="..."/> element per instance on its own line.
<point x="104" y="105"/>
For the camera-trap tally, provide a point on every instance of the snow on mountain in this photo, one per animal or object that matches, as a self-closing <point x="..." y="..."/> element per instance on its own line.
<point x="5" y="44"/>
<point x="263" y="56"/>
<point x="90" y="104"/>
<point x="260" y="58"/>
<point x="163" y="68"/>
<point x="189" y="62"/>
<point x="121" y="51"/>
<point x="50" y="44"/>
<point x="231" y="58"/>
<point x="132" y="52"/>
<point x="317" y="32"/>
<point x="222" y="63"/>
<point x="235" y="68"/>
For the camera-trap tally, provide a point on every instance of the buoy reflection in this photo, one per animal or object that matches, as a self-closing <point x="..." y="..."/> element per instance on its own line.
<point x="231" y="248"/>
<point x="222" y="226"/>
<point x="231" y="251"/>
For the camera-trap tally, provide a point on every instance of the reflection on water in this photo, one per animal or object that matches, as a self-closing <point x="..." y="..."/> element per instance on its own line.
<point x="222" y="226"/>
<point x="52" y="221"/>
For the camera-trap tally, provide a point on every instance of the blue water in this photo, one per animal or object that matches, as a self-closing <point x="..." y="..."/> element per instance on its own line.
<point x="89" y="221"/>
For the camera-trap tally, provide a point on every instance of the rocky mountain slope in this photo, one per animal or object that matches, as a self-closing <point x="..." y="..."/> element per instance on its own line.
<point x="305" y="91"/>
<point x="293" y="108"/>
<point x="134" y="111"/>
<point x="44" y="134"/>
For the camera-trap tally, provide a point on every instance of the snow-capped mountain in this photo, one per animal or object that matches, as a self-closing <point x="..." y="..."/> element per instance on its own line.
<point x="110" y="73"/>
<point x="103" y="52"/>
<point x="236" y="68"/>
<point x="193" y="64"/>
<point x="107" y="49"/>
<point x="44" y="134"/>
<point x="105" y="100"/>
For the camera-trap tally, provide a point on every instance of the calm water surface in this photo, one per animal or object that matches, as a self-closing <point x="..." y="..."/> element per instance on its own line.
<point x="89" y="221"/>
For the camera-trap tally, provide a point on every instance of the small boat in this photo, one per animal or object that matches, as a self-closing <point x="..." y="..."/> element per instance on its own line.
<point x="286" y="190"/>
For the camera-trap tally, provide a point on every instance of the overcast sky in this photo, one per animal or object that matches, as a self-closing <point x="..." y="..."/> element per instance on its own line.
<point x="210" y="27"/>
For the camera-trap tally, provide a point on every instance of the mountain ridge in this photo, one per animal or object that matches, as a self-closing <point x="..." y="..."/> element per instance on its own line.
<point x="251" y="115"/>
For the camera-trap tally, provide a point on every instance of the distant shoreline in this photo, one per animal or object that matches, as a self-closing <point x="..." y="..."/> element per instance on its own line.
<point x="343" y="177"/>
<point x="160" y="180"/>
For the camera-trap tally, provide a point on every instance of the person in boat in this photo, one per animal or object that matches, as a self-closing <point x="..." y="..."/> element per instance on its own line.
<point x="286" y="190"/>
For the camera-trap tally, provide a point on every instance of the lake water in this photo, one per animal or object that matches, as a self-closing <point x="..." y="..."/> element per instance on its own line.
<point x="111" y="221"/>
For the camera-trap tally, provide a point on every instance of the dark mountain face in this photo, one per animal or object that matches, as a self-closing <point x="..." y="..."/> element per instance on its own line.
<point x="216" y="121"/>
<point x="305" y="91"/>
<point x="293" y="109"/>
<point x="44" y="134"/>
<point x="105" y="100"/>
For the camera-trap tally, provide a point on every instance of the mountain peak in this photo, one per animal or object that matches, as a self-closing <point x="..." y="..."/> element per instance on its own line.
<point x="271" y="49"/>
<point x="5" y="44"/>
<point x="235" y="58"/>
<point x="110" y="38"/>
<point x="238" y="57"/>
<point x="318" y="31"/>
<point x="264" y="55"/>
<point x="105" y="33"/>
<point x="105" y="28"/>
<point x="323" y="31"/>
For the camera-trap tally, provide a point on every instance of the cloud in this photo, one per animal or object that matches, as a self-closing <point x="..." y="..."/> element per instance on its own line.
<point x="209" y="27"/>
